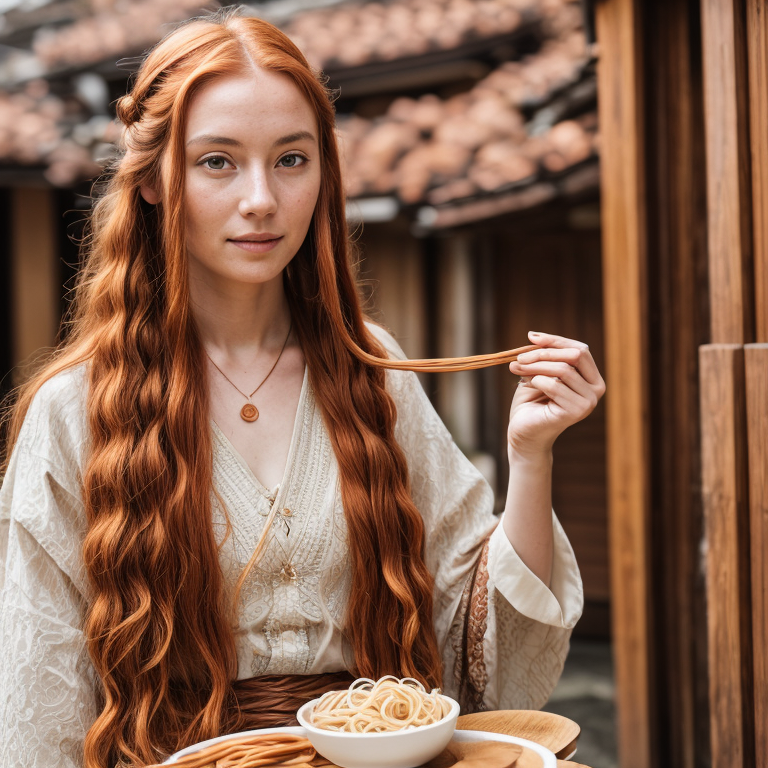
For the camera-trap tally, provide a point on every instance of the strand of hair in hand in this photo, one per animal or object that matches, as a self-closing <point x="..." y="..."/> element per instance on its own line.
<point x="445" y="364"/>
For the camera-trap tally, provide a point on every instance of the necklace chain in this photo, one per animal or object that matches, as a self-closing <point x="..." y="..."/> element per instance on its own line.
<point x="274" y="365"/>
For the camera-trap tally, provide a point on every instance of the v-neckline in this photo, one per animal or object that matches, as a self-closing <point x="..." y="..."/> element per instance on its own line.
<point x="280" y="487"/>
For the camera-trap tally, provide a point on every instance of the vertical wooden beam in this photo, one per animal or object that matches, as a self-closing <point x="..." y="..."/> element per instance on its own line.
<point x="757" y="48"/>
<point x="677" y="259"/>
<point x="726" y="120"/>
<point x="725" y="476"/>
<point x="756" y="365"/>
<point x="726" y="517"/>
<point x="6" y="291"/>
<point x="625" y="304"/>
<point x="35" y="272"/>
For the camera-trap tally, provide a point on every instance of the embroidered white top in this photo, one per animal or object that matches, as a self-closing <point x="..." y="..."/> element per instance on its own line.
<point x="293" y="604"/>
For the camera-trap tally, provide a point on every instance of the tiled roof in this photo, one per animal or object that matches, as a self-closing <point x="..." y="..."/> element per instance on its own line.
<point x="347" y="34"/>
<point x="40" y="129"/>
<point x="358" y="33"/>
<point x="514" y="128"/>
<point x="115" y="29"/>
<point x="504" y="132"/>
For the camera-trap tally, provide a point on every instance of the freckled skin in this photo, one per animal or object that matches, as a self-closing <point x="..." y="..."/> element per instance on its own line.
<point x="260" y="186"/>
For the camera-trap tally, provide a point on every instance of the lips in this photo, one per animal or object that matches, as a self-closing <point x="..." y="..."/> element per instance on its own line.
<point x="261" y="237"/>
<point x="260" y="243"/>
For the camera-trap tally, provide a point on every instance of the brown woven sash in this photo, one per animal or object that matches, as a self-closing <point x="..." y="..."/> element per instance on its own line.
<point x="270" y="701"/>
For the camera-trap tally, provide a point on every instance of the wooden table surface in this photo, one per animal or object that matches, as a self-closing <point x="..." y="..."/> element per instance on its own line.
<point x="556" y="733"/>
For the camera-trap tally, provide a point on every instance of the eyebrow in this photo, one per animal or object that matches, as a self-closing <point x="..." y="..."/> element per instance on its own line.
<point x="208" y="138"/>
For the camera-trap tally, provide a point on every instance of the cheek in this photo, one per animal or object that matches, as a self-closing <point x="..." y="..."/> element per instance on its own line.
<point x="201" y="210"/>
<point x="307" y="201"/>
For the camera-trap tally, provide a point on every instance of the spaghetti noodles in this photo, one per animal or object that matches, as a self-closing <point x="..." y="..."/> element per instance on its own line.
<point x="388" y="704"/>
<point x="275" y="750"/>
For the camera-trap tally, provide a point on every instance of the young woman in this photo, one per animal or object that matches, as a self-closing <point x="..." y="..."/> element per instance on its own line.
<point x="217" y="503"/>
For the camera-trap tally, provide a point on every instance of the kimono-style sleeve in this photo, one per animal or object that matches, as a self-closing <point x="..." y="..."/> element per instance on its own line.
<point x="504" y="634"/>
<point x="48" y="685"/>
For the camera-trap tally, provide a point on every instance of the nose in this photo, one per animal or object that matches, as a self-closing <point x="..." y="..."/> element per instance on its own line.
<point x="257" y="196"/>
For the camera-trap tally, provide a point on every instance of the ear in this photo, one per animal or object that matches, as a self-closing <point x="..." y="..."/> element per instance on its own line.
<point x="149" y="194"/>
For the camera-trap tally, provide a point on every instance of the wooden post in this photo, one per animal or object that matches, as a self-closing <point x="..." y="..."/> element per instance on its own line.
<point x="757" y="47"/>
<point x="728" y="171"/>
<point x="756" y="365"/>
<point x="677" y="260"/>
<point x="36" y="282"/>
<point x="725" y="478"/>
<point x="625" y="316"/>
<point x="726" y="518"/>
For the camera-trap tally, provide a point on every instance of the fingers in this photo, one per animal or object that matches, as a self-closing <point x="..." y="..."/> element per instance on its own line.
<point x="570" y="392"/>
<point x="560" y="349"/>
<point x="569" y="375"/>
<point x="560" y="394"/>
<point x="550" y="340"/>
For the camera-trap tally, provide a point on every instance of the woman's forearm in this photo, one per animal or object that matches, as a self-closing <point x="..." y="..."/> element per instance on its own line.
<point x="527" y="517"/>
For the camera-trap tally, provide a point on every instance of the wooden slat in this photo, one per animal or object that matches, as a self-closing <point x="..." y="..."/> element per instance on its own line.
<point x="757" y="48"/>
<point x="625" y="307"/>
<point x="756" y="369"/>
<point x="725" y="496"/>
<point x="728" y="171"/>
<point x="35" y="271"/>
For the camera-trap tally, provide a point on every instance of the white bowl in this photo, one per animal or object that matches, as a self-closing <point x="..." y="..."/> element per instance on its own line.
<point x="394" y="749"/>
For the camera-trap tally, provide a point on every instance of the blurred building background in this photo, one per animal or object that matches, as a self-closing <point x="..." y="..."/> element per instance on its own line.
<point x="469" y="134"/>
<point x="469" y="139"/>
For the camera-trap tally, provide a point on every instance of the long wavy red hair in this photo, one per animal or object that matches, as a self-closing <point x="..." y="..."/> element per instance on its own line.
<point x="158" y="626"/>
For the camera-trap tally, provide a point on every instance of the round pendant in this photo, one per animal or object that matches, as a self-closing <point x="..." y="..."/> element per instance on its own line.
<point x="249" y="412"/>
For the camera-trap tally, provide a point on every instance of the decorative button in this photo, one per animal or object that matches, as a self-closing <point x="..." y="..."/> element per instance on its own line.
<point x="287" y="512"/>
<point x="289" y="572"/>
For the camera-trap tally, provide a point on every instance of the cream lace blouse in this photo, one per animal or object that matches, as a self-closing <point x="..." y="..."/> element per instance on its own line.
<point x="293" y="604"/>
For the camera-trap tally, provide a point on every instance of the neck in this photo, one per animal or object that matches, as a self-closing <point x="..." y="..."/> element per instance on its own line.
<point x="241" y="318"/>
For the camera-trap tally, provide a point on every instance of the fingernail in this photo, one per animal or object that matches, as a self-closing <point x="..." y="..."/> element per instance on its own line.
<point x="524" y="358"/>
<point x="535" y="334"/>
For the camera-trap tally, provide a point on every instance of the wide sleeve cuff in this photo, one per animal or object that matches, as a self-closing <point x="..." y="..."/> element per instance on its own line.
<point x="561" y="604"/>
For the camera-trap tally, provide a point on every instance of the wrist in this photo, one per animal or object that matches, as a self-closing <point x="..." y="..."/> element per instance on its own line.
<point x="527" y="457"/>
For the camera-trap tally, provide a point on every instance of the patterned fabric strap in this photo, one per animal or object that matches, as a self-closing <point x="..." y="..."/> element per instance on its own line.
<point x="271" y="701"/>
<point x="470" y="673"/>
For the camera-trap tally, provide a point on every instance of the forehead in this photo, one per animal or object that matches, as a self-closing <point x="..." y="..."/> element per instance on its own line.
<point x="257" y="103"/>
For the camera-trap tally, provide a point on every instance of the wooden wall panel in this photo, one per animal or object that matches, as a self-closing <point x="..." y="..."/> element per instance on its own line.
<point x="550" y="281"/>
<point x="392" y="274"/>
<point x="621" y="114"/>
<point x="756" y="366"/>
<point x="728" y="171"/>
<point x="545" y="277"/>
<point x="757" y="47"/>
<point x="726" y="515"/>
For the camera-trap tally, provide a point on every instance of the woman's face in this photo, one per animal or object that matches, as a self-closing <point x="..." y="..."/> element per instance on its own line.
<point x="252" y="177"/>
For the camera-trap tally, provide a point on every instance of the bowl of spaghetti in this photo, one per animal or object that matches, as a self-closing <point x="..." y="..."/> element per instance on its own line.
<point x="387" y="723"/>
